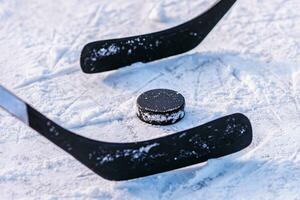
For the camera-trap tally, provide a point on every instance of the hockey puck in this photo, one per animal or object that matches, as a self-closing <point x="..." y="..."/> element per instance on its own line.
<point x="160" y="107"/>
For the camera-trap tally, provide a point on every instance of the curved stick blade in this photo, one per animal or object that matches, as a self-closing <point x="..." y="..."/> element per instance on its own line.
<point x="112" y="54"/>
<point x="124" y="161"/>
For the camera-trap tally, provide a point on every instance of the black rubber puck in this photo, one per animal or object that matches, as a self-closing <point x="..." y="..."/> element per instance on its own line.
<point x="160" y="107"/>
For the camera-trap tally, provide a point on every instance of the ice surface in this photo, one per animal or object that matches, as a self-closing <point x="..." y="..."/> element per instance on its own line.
<point x="250" y="63"/>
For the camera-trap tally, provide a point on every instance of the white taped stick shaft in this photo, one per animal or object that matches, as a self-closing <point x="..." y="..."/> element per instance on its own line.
<point x="13" y="105"/>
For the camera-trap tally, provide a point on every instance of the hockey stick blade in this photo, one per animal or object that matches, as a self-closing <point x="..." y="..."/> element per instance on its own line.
<point x="124" y="161"/>
<point x="112" y="54"/>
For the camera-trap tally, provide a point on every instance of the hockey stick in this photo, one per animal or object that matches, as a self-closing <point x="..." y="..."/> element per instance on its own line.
<point x="112" y="54"/>
<point x="123" y="161"/>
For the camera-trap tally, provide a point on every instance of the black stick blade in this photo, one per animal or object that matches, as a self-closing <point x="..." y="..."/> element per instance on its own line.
<point x="112" y="54"/>
<point x="124" y="161"/>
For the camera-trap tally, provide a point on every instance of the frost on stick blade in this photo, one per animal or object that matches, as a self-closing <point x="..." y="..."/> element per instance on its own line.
<point x="134" y="155"/>
<point x="99" y="54"/>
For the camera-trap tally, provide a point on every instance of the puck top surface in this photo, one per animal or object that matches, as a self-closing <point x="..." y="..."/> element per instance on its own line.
<point x="160" y="101"/>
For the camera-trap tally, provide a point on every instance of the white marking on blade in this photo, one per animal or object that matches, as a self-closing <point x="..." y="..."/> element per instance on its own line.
<point x="13" y="105"/>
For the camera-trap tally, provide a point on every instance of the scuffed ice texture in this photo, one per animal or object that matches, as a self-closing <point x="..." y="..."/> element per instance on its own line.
<point x="250" y="64"/>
